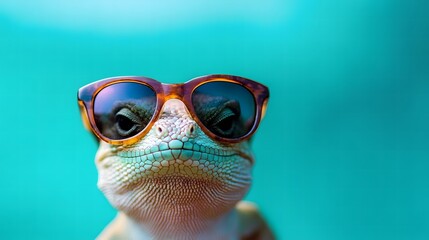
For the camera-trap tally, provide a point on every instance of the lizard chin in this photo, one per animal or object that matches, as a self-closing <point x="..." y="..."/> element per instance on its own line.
<point x="176" y="193"/>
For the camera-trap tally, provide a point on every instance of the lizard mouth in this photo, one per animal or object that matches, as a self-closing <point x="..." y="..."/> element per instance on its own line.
<point x="177" y="161"/>
<point x="175" y="158"/>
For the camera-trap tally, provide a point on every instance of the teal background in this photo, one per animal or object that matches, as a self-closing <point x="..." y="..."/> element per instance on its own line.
<point x="343" y="150"/>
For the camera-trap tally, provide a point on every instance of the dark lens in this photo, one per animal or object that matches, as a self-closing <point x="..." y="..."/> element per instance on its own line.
<point x="226" y="109"/>
<point x="122" y="110"/>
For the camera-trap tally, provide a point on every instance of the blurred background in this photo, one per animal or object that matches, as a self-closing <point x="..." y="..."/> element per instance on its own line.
<point x="343" y="150"/>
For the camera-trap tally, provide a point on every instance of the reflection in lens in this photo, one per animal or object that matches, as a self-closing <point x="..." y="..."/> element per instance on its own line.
<point x="122" y="110"/>
<point x="226" y="109"/>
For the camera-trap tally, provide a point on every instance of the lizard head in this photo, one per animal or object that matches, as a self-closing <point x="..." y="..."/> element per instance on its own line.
<point x="174" y="156"/>
<point x="175" y="170"/>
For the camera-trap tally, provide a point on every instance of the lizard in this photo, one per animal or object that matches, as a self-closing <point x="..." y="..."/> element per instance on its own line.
<point x="178" y="183"/>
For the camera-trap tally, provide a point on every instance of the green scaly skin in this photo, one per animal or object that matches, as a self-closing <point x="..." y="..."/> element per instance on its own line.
<point x="177" y="183"/>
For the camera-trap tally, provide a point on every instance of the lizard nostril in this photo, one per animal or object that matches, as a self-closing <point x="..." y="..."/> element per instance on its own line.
<point x="161" y="131"/>
<point x="190" y="130"/>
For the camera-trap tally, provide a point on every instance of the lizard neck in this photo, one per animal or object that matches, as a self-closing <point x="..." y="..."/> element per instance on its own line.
<point x="181" y="207"/>
<point x="186" y="227"/>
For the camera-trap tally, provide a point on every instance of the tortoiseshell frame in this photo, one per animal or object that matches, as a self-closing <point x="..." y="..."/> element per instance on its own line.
<point x="164" y="92"/>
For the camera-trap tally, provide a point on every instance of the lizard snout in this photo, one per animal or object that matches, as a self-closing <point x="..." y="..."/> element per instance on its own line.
<point x="175" y="122"/>
<point x="187" y="130"/>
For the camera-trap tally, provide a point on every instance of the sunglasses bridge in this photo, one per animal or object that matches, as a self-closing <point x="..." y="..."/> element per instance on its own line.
<point x="175" y="90"/>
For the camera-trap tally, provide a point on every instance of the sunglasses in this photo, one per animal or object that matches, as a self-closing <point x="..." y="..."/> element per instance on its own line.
<point x="121" y="110"/>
